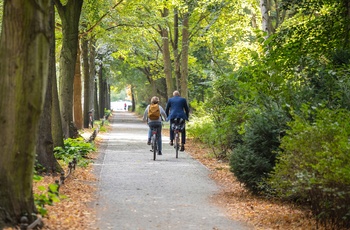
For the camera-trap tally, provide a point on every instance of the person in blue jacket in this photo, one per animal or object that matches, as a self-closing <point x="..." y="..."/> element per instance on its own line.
<point x="177" y="107"/>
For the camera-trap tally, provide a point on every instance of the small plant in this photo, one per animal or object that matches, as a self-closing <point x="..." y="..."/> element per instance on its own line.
<point x="77" y="148"/>
<point x="45" y="198"/>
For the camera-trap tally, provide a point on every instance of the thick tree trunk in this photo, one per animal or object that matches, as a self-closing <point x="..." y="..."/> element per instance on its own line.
<point x="184" y="56"/>
<point x="45" y="157"/>
<point x="77" y="94"/>
<point x="24" y="55"/>
<point x="166" y="56"/>
<point x="69" y="14"/>
<point x="56" y="124"/>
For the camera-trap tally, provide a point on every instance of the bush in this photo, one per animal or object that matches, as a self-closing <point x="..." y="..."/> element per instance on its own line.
<point x="219" y="131"/>
<point x="74" y="148"/>
<point x="254" y="159"/>
<point x="315" y="166"/>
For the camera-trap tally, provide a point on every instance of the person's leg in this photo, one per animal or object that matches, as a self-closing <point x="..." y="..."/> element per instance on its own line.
<point x="171" y="132"/>
<point x="183" y="136"/>
<point x="149" y="135"/>
<point x="160" y="140"/>
<point x="183" y="139"/>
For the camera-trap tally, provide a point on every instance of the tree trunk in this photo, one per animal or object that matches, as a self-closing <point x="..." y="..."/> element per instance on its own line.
<point x="77" y="94"/>
<point x="177" y="57"/>
<point x="45" y="156"/>
<point x="24" y="55"/>
<point x="69" y="14"/>
<point x="166" y="56"/>
<point x="265" y="18"/>
<point x="92" y="89"/>
<point x="133" y="107"/>
<point x="87" y="80"/>
<point x="102" y="92"/>
<point x="184" y="56"/>
<point x="97" y="106"/>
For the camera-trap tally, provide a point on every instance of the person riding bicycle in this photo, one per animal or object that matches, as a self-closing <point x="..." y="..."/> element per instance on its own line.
<point x="153" y="115"/>
<point x="177" y="107"/>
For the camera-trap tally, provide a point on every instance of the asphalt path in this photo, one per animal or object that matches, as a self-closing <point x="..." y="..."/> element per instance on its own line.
<point x="137" y="193"/>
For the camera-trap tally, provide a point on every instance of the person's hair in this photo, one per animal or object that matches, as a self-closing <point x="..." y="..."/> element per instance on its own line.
<point x="176" y="93"/>
<point x="154" y="100"/>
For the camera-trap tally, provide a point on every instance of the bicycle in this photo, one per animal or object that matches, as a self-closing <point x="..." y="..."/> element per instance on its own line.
<point x="91" y="119"/>
<point x="177" y="126"/>
<point x="155" y="140"/>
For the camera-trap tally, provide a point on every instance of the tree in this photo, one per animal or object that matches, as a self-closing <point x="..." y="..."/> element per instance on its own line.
<point x="24" y="55"/>
<point x="45" y="144"/>
<point x="70" y="15"/>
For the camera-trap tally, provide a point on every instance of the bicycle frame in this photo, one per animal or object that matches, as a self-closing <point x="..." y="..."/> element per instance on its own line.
<point x="154" y="141"/>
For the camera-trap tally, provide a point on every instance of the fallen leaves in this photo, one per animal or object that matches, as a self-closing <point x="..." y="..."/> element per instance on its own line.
<point x="259" y="212"/>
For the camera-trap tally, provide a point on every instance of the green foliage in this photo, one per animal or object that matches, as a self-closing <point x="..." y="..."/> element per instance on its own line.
<point x="314" y="165"/>
<point x="74" y="148"/>
<point x="46" y="198"/>
<point x="253" y="159"/>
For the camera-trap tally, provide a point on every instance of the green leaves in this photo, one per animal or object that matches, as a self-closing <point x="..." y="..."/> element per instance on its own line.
<point x="77" y="148"/>
<point x="315" y="165"/>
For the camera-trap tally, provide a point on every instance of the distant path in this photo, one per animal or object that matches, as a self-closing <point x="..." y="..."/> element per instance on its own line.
<point x="138" y="193"/>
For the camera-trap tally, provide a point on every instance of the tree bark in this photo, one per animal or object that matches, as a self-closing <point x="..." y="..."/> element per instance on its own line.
<point x="184" y="56"/>
<point x="101" y="92"/>
<point x="24" y="55"/>
<point x="45" y="156"/>
<point x="77" y="94"/>
<point x="177" y="56"/>
<point x="87" y="81"/>
<point x="69" y="14"/>
<point x="265" y="18"/>
<point x="166" y="56"/>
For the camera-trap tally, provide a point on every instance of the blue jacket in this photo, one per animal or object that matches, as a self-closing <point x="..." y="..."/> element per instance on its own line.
<point x="178" y="108"/>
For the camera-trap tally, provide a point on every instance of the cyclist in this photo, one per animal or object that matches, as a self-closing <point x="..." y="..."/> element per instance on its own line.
<point x="155" y="122"/>
<point x="177" y="107"/>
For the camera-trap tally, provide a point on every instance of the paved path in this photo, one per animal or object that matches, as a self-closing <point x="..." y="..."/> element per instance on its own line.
<point x="137" y="193"/>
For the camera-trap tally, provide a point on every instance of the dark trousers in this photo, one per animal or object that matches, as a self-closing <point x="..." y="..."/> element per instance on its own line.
<point x="183" y="133"/>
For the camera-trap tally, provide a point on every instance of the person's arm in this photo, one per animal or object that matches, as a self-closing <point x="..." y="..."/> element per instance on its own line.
<point x="187" y="110"/>
<point x="167" y="108"/>
<point x="145" y="114"/>
<point x="163" y="113"/>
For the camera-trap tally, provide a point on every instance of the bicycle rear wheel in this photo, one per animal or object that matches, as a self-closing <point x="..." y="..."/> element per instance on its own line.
<point x="154" y="146"/>
<point x="177" y="144"/>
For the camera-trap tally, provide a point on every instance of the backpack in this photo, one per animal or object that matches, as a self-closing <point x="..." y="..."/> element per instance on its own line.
<point x="153" y="112"/>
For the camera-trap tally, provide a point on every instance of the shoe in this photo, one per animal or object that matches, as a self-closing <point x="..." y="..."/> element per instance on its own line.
<point x="160" y="153"/>
<point x="149" y="142"/>
<point x="182" y="148"/>
<point x="171" y="143"/>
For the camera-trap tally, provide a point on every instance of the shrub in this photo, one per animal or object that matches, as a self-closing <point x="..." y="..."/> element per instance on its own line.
<point x="315" y="166"/>
<point x="74" y="148"/>
<point x="254" y="159"/>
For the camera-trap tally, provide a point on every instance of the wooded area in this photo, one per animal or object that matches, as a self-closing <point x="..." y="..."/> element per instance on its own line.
<point x="267" y="83"/>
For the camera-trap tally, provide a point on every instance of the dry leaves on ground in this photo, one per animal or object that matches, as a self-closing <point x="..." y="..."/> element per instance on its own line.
<point x="241" y="205"/>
